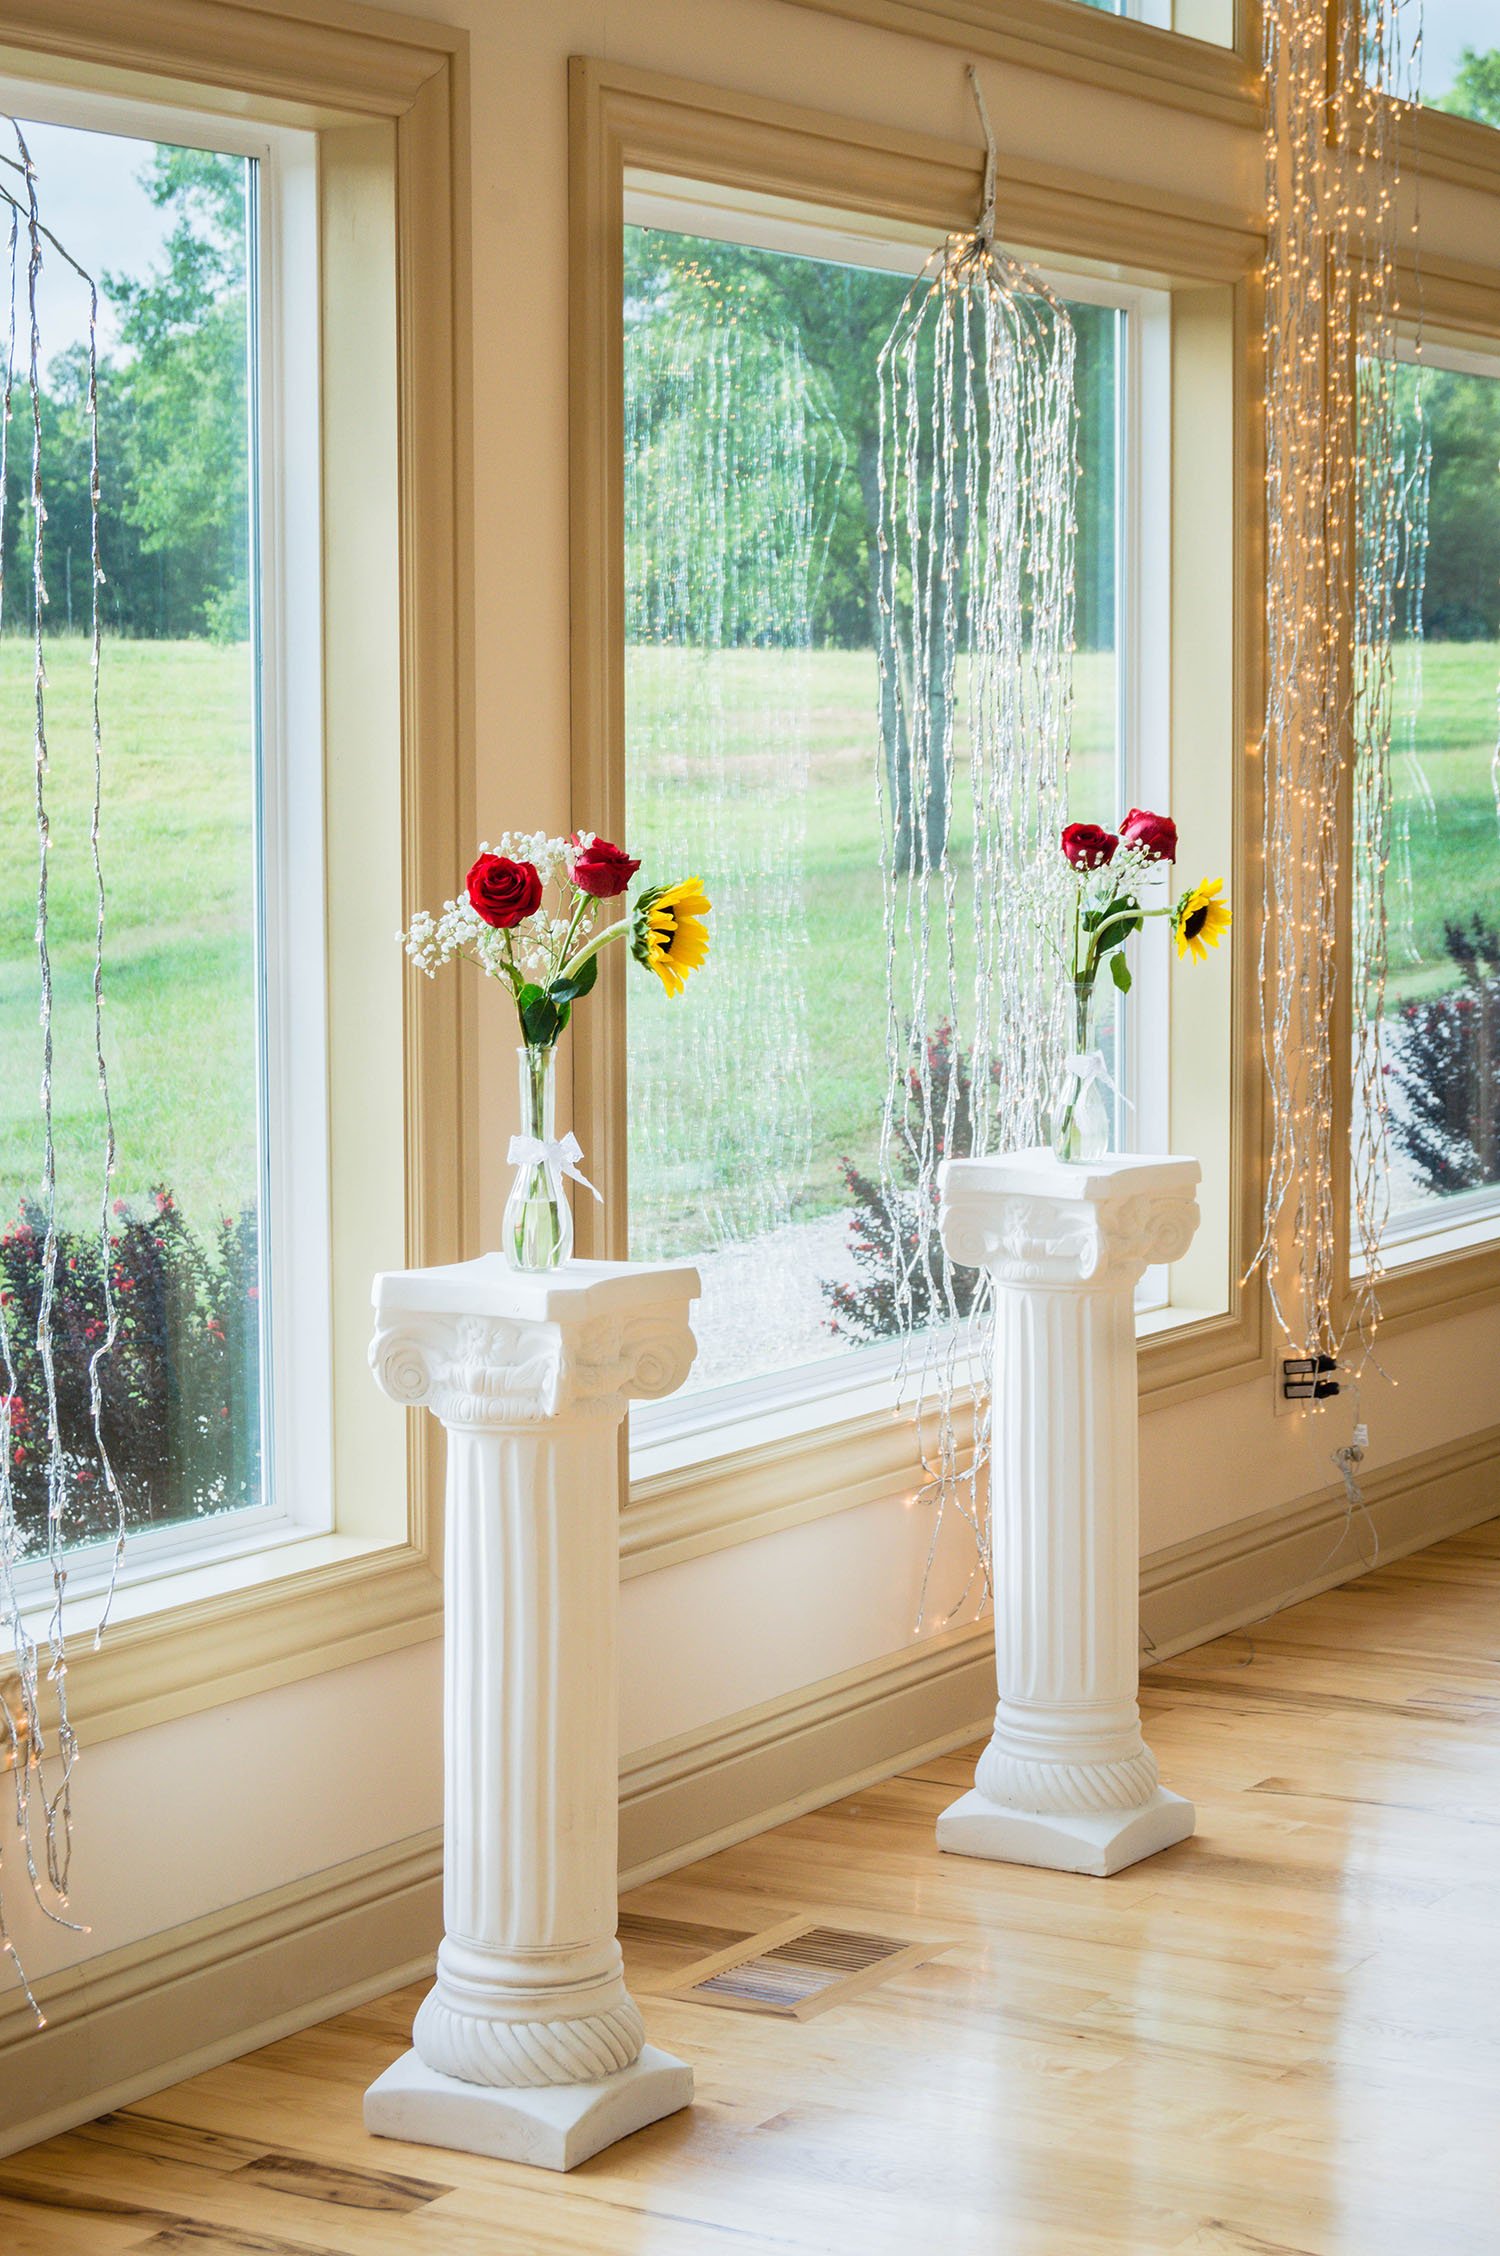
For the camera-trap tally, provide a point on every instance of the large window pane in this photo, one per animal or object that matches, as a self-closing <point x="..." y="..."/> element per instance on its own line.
<point x="168" y="233"/>
<point x="1443" y="1030"/>
<point x="753" y="733"/>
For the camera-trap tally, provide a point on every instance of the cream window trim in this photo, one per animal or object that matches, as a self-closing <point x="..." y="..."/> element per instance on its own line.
<point x="1124" y="54"/>
<point x="385" y="98"/>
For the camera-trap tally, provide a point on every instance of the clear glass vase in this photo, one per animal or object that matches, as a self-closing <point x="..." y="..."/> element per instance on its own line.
<point x="1079" y="1114"/>
<point x="538" y="1227"/>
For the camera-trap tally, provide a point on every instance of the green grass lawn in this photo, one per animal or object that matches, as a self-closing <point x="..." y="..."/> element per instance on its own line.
<point x="1445" y="863"/>
<point x="180" y="1012"/>
<point x="797" y="979"/>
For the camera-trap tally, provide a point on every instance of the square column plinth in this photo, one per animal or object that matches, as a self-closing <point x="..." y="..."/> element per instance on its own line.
<point x="530" y="2048"/>
<point x="1067" y="1779"/>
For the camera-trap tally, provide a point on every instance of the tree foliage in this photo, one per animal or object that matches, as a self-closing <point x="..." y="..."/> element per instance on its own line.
<point x="842" y="316"/>
<point x="1476" y="87"/>
<point x="173" y="431"/>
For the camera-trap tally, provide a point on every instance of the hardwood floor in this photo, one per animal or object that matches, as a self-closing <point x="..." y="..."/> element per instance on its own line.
<point x="1283" y="2035"/>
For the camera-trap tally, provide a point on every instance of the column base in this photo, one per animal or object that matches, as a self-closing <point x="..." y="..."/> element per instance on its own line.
<point x="552" y="2126"/>
<point x="1101" y="1843"/>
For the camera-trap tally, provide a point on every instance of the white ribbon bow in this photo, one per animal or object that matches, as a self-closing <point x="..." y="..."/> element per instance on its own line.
<point x="559" y="1158"/>
<point x="1088" y="1065"/>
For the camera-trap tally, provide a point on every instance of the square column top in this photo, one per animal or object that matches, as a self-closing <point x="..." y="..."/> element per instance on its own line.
<point x="1034" y="1221"/>
<point x="575" y="1293"/>
<point x="485" y="1345"/>
<point x="1037" y="1173"/>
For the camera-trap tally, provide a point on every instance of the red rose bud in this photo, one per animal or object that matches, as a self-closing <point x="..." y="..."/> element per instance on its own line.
<point x="602" y="869"/>
<point x="1153" y="834"/>
<point x="502" y="892"/>
<point x="1087" y="846"/>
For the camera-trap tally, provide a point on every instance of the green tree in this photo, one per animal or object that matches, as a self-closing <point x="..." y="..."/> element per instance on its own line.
<point x="178" y="399"/>
<point x="842" y="316"/>
<point x="1476" y="87"/>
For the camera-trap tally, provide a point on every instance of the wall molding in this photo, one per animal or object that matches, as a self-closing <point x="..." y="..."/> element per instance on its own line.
<point x="1112" y="52"/>
<point x="140" y="2018"/>
<point x="137" y="2019"/>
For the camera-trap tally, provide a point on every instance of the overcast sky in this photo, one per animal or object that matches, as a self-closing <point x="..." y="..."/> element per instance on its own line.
<point x="90" y="196"/>
<point x="1449" y="27"/>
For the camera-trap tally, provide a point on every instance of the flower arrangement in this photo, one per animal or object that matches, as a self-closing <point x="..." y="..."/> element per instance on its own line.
<point x="1112" y="871"/>
<point x="532" y="916"/>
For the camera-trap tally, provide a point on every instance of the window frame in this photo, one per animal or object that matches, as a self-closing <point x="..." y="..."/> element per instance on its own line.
<point x="625" y="120"/>
<point x="1453" y="1268"/>
<point x="287" y="843"/>
<point x="1120" y="52"/>
<point x="385" y="97"/>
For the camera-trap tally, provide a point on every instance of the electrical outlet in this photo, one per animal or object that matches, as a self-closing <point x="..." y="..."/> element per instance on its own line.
<point x="1313" y="1380"/>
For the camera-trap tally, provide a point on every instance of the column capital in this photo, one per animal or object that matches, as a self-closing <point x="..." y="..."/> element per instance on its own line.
<point x="1033" y="1220"/>
<point x="484" y="1345"/>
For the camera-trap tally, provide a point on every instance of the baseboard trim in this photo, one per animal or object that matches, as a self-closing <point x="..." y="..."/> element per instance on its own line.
<point x="136" y="2020"/>
<point x="1259" y="1565"/>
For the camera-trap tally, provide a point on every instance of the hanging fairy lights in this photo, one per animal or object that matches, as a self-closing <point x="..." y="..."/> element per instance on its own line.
<point x="42" y="1746"/>
<point x="733" y="458"/>
<point x="978" y="470"/>
<point x="1337" y="547"/>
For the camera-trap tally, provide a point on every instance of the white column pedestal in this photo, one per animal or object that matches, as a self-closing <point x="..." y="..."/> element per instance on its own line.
<point x="1067" y="1779"/>
<point x="530" y="2047"/>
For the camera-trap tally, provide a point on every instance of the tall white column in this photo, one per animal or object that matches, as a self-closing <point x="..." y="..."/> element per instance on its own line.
<point x="530" y="2047"/>
<point x="1067" y="1779"/>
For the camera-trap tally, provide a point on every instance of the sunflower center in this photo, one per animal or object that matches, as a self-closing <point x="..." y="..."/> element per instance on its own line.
<point x="1194" y="921"/>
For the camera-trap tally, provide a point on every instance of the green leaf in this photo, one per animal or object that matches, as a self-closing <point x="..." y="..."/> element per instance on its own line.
<point x="526" y="996"/>
<point x="1119" y="972"/>
<point x="541" y="1021"/>
<point x="568" y="989"/>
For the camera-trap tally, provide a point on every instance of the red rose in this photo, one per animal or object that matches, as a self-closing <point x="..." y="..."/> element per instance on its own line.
<point x="1087" y="846"/>
<point x="601" y="869"/>
<point x="503" y="892"/>
<point x="1156" y="835"/>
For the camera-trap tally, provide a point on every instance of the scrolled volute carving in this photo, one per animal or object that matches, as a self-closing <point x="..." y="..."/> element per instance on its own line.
<point x="1025" y="1240"/>
<point x="491" y="1371"/>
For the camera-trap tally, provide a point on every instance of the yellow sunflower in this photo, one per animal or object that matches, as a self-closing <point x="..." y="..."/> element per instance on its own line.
<point x="670" y="937"/>
<point x="1200" y="919"/>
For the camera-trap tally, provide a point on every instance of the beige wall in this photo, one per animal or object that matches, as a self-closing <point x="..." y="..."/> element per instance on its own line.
<point x="180" y="1820"/>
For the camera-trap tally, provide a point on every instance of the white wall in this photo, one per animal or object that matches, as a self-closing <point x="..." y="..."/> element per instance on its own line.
<point x="179" y="1820"/>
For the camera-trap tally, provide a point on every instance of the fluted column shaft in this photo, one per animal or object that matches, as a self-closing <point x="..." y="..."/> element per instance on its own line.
<point x="530" y="1377"/>
<point x="1065" y="1247"/>
<point x="1067" y="1545"/>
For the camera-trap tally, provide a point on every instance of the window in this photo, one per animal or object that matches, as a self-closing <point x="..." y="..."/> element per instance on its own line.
<point x="752" y="727"/>
<point x="200" y="236"/>
<point x="1442" y="1064"/>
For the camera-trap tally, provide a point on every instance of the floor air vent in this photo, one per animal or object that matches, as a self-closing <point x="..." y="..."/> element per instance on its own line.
<point x="798" y="1969"/>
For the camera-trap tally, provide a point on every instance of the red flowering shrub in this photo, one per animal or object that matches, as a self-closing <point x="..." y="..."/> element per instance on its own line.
<point x="180" y="1389"/>
<point x="1444" y="1068"/>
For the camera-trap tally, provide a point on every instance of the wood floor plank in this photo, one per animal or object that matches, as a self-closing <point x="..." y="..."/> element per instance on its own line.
<point x="1276" y="2039"/>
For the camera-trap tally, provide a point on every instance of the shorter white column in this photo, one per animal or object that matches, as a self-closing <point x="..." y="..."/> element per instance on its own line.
<point x="530" y="2048"/>
<point x="1067" y="1779"/>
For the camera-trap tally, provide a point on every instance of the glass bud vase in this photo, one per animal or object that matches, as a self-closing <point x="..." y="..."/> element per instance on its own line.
<point x="538" y="1227"/>
<point x="1079" y="1113"/>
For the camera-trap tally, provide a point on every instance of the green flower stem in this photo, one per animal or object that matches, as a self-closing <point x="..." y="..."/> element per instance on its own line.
<point x="1095" y="952"/>
<point x="592" y="947"/>
<point x="1083" y="992"/>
